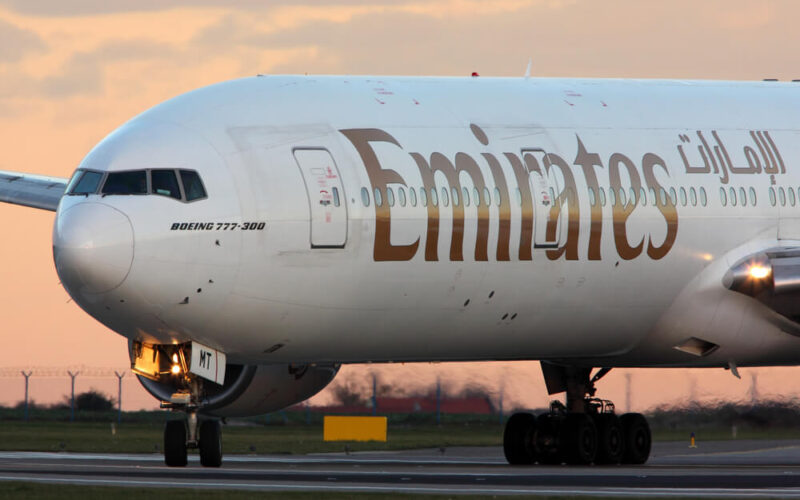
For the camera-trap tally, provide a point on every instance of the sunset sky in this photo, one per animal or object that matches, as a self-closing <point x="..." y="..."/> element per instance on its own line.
<point x="72" y="71"/>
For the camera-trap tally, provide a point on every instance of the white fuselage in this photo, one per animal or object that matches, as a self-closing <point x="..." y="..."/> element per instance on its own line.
<point x="317" y="279"/>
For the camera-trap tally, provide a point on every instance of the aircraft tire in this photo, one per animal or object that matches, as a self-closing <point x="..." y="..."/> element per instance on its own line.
<point x="637" y="438"/>
<point x="517" y="445"/>
<point x="610" y="439"/>
<point x="547" y="443"/>
<point x="175" y="454"/>
<point x="579" y="439"/>
<point x="210" y="443"/>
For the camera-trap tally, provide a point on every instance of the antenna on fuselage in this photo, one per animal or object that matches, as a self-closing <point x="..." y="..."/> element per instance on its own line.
<point x="528" y="69"/>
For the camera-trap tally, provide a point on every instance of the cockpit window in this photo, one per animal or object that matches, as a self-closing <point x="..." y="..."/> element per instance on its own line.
<point x="160" y="181"/>
<point x="132" y="182"/>
<point x="165" y="183"/>
<point x="192" y="185"/>
<point x="85" y="182"/>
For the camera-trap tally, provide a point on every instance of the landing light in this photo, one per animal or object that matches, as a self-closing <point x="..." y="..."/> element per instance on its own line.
<point x="176" y="369"/>
<point x="175" y="358"/>
<point x="758" y="272"/>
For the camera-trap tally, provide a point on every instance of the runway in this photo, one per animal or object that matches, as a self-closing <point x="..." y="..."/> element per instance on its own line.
<point x="714" y="469"/>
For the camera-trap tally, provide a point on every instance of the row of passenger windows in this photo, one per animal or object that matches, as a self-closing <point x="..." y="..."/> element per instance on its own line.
<point x="784" y="196"/>
<point x="178" y="184"/>
<point x="487" y="197"/>
<point x="681" y="196"/>
<point x="465" y="196"/>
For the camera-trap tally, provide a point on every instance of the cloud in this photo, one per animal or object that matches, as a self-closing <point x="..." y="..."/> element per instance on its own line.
<point x="563" y="38"/>
<point x="84" y="73"/>
<point x="15" y="42"/>
<point x="90" y="7"/>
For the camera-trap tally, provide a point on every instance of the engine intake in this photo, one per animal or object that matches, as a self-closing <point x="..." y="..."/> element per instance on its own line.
<point x="252" y="389"/>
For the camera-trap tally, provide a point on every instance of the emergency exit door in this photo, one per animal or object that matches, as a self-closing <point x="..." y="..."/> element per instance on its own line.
<point x="326" y="200"/>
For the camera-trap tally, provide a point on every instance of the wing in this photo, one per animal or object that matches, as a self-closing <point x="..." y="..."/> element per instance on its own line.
<point x="30" y="190"/>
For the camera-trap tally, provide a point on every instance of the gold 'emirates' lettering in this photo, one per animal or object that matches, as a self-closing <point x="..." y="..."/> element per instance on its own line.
<point x="566" y="200"/>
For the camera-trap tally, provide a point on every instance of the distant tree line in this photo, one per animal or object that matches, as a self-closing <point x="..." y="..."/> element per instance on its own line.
<point x="91" y="400"/>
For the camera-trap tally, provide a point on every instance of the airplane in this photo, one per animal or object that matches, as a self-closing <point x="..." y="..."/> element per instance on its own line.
<point x="250" y="237"/>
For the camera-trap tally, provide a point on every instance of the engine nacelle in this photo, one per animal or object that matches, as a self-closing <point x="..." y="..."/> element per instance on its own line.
<point x="253" y="389"/>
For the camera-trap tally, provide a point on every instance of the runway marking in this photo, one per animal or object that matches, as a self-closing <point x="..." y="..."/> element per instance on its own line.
<point x="248" y="458"/>
<point x="722" y="453"/>
<point x="627" y="492"/>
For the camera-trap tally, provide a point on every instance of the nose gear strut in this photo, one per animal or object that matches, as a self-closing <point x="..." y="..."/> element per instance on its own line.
<point x="191" y="432"/>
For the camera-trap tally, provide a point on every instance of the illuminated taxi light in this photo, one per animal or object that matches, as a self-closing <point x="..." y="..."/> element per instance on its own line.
<point x="759" y="272"/>
<point x="176" y="369"/>
<point x="174" y="358"/>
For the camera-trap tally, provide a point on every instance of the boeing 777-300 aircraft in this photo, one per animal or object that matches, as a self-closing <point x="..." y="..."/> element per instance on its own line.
<point x="250" y="237"/>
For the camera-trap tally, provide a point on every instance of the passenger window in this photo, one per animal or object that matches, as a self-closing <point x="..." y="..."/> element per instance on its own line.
<point x="390" y="196"/>
<point x="192" y="185"/>
<point x="622" y="197"/>
<point x="423" y="197"/>
<point x="365" y="196"/>
<point x="693" y="196"/>
<point x="487" y="200"/>
<point x="772" y="196"/>
<point x="683" y="196"/>
<point x="498" y="201"/>
<point x="476" y="196"/>
<point x="165" y="183"/>
<point x="465" y="192"/>
<point x="132" y="182"/>
<point x="791" y="196"/>
<point x="632" y="196"/>
<point x="663" y="193"/>
<point x="643" y="196"/>
<point x="612" y="196"/>
<point x="733" y="197"/>
<point x="673" y="198"/>
<point x="653" y="197"/>
<point x="378" y="198"/>
<point x="723" y="197"/>
<point x="445" y="199"/>
<point x="752" y="196"/>
<point x="518" y="195"/>
<point x="401" y="195"/>
<point x="743" y="196"/>
<point x="336" y="201"/>
<point x="602" y="196"/>
<point x="592" y="198"/>
<point x="434" y="198"/>
<point x="703" y="197"/>
<point x="782" y="196"/>
<point x="85" y="182"/>
<point x="412" y="195"/>
<point x="455" y="196"/>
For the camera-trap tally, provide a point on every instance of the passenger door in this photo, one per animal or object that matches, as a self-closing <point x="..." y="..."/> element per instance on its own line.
<point x="548" y="220"/>
<point x="326" y="199"/>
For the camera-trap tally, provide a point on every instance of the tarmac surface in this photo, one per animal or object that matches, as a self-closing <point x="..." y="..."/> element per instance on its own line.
<point x="741" y="468"/>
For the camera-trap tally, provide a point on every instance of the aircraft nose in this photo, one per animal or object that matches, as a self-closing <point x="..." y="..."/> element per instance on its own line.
<point x="92" y="248"/>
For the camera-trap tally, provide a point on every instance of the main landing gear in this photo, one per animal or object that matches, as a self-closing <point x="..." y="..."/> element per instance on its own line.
<point x="180" y="435"/>
<point x="585" y="431"/>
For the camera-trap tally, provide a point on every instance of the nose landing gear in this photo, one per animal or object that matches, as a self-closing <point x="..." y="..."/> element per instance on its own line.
<point x="586" y="430"/>
<point x="179" y="435"/>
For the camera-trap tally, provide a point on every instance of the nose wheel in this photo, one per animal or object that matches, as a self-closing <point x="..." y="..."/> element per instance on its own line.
<point x="178" y="440"/>
<point x="210" y="443"/>
<point x="175" y="453"/>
